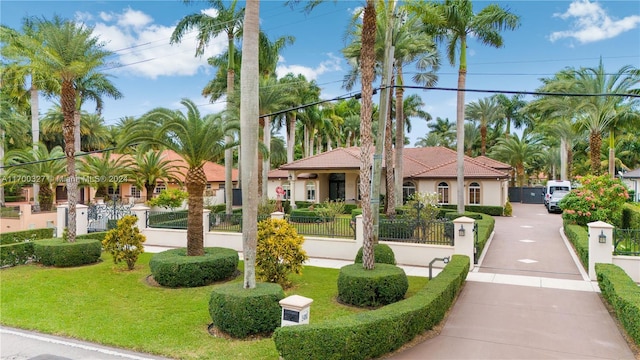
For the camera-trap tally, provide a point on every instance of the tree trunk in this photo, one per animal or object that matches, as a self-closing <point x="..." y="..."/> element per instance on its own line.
<point x="196" y="181"/>
<point x="483" y="139"/>
<point x="462" y="76"/>
<point x="595" y="142"/>
<point x="150" y="188"/>
<point x="68" y="104"/>
<point x="399" y="165"/>
<point x="35" y="131"/>
<point x="249" y="112"/>
<point x="390" y="199"/>
<point x="228" y="153"/>
<point x="76" y="131"/>
<point x="367" y="64"/>
<point x="266" y="161"/>
<point x="46" y="197"/>
<point x="612" y="155"/>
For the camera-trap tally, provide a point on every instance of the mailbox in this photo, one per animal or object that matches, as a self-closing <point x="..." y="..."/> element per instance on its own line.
<point x="295" y="310"/>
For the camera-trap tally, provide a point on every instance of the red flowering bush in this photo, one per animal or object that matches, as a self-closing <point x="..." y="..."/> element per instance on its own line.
<point x="600" y="198"/>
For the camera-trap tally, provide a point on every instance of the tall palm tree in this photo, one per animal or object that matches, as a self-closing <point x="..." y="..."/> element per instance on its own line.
<point x="94" y="134"/>
<point x="45" y="167"/>
<point x="71" y="52"/>
<point x="517" y="152"/>
<point x="471" y="139"/>
<point x="14" y="124"/>
<point x="451" y="22"/>
<point x="101" y="172"/>
<point x="149" y="167"/>
<point x="445" y="130"/>
<point x="486" y="112"/>
<point x="196" y="139"/>
<point x="227" y="20"/>
<point x="511" y="109"/>
<point x="249" y="105"/>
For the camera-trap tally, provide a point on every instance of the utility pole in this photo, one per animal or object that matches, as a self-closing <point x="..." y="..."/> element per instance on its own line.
<point x="387" y="67"/>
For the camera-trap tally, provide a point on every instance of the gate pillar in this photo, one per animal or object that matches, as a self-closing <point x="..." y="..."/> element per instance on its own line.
<point x="464" y="239"/>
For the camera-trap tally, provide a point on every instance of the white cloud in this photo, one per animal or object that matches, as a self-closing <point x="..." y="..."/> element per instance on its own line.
<point x="210" y="11"/>
<point x="143" y="47"/>
<point x="592" y="23"/>
<point x="333" y="63"/>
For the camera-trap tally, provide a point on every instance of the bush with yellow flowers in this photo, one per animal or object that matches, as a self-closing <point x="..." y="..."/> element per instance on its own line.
<point x="124" y="242"/>
<point x="279" y="252"/>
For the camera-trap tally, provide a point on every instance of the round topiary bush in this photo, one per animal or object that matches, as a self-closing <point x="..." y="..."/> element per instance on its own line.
<point x="242" y="312"/>
<point x="383" y="285"/>
<point x="382" y="254"/>
<point x="59" y="253"/>
<point x="173" y="268"/>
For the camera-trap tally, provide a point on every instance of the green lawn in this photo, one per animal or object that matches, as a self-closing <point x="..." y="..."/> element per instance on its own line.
<point x="103" y="303"/>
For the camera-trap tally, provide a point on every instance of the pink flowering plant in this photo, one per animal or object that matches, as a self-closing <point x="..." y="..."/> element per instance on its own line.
<point x="600" y="198"/>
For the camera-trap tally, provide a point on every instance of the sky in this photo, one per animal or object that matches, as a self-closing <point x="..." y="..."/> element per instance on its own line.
<point x="151" y="72"/>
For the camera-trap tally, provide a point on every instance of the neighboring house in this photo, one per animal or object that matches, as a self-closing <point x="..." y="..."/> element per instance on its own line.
<point x="632" y="180"/>
<point x="131" y="193"/>
<point x="335" y="175"/>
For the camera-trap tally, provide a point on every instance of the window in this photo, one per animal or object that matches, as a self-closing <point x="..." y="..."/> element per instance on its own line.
<point x="443" y="193"/>
<point x="474" y="193"/>
<point x="208" y="187"/>
<point x="159" y="187"/>
<point x="358" y="188"/>
<point x="135" y="192"/>
<point x="408" y="189"/>
<point x="287" y="191"/>
<point x="311" y="191"/>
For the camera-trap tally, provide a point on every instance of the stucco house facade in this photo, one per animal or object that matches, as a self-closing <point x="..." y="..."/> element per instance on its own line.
<point x="334" y="175"/>
<point x="632" y="180"/>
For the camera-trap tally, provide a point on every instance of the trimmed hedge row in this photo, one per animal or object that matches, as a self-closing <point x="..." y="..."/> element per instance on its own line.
<point x="16" y="254"/>
<point x="240" y="312"/>
<point x="630" y="216"/>
<point x="579" y="237"/>
<point x="624" y="296"/>
<point x="384" y="285"/>
<point x="56" y="252"/>
<point x="485" y="228"/>
<point x="483" y="209"/>
<point x="173" y="268"/>
<point x="26" y="235"/>
<point x="95" y="235"/>
<point x="375" y="333"/>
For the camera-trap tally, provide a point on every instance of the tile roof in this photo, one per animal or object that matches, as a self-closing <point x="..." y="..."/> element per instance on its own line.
<point x="425" y="162"/>
<point x="632" y="174"/>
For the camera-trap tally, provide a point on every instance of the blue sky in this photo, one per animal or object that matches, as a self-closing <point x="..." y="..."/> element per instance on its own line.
<point x="553" y="35"/>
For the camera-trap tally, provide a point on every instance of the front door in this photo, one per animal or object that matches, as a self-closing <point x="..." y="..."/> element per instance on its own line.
<point x="336" y="186"/>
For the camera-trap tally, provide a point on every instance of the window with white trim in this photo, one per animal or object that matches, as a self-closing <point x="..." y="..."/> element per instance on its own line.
<point x="443" y="193"/>
<point x="286" y="186"/>
<point x="311" y="191"/>
<point x="408" y="189"/>
<point x="135" y="192"/>
<point x="159" y="187"/>
<point x="474" y="193"/>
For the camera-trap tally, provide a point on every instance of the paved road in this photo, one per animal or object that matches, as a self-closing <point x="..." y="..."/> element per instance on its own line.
<point x="22" y="345"/>
<point x="517" y="306"/>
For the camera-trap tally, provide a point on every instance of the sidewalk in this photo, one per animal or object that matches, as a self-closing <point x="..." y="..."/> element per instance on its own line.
<point x="528" y="299"/>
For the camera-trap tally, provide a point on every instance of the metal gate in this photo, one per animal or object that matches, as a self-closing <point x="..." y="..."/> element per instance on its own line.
<point x="103" y="217"/>
<point x="526" y="195"/>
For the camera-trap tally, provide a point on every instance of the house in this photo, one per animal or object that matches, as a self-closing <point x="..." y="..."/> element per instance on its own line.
<point x="334" y="175"/>
<point x="631" y="179"/>
<point x="127" y="190"/>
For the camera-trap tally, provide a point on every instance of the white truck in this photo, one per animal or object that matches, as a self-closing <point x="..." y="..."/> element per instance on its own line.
<point x="553" y="185"/>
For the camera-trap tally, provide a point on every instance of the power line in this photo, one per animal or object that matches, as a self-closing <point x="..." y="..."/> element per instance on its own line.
<point x="518" y="92"/>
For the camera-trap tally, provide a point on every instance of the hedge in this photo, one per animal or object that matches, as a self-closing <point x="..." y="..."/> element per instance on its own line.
<point x="16" y="254"/>
<point x="58" y="253"/>
<point x="21" y="236"/>
<point x="624" y="296"/>
<point x="483" y="209"/>
<point x="95" y="235"/>
<point x="374" y="333"/>
<point x="384" y="285"/>
<point x="173" y="268"/>
<point x="485" y="228"/>
<point x="630" y="216"/>
<point x="579" y="237"/>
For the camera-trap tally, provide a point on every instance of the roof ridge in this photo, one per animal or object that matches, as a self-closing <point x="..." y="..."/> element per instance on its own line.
<point x="320" y="154"/>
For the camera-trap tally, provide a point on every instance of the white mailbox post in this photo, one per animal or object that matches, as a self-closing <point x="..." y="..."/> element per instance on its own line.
<point x="295" y="310"/>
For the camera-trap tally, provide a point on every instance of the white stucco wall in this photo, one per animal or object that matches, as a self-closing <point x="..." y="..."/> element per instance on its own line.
<point x="630" y="264"/>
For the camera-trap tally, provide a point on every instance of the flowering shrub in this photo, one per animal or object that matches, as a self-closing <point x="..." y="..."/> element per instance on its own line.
<point x="279" y="252"/>
<point x="600" y="198"/>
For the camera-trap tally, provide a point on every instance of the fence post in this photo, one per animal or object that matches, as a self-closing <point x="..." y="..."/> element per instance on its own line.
<point x="464" y="239"/>
<point x="277" y="215"/>
<point x="82" y="219"/>
<point x="600" y="246"/>
<point x="359" y="231"/>
<point x="61" y="219"/>
<point x="141" y="212"/>
<point x="206" y="213"/>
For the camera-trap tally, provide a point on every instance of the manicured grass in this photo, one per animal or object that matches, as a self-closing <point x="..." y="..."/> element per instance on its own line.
<point x="103" y="303"/>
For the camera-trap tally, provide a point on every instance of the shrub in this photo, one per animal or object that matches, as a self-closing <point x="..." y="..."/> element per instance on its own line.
<point x="96" y="235"/>
<point x="348" y="208"/>
<point x="124" y="242"/>
<point x="242" y="312"/>
<point x="428" y="203"/>
<point x="383" y="285"/>
<point x="396" y="229"/>
<point x="169" y="198"/>
<point x="16" y="254"/>
<point x="59" y="253"/>
<point x="217" y="208"/>
<point x="306" y="216"/>
<point x="508" y="209"/>
<point x="579" y="237"/>
<point x="26" y="235"/>
<point x="482" y="209"/>
<point x="630" y="216"/>
<point x="383" y="254"/>
<point x="173" y="268"/>
<point x="279" y="251"/>
<point x="331" y="208"/>
<point x="599" y="199"/>
<point x="624" y="296"/>
<point x="455" y="215"/>
<point x="371" y="334"/>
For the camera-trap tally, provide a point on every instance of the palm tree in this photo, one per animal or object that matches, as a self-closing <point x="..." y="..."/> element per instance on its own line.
<point x="45" y="167"/>
<point x="451" y="22"/>
<point x="94" y="134"/>
<point x="196" y="139"/>
<point x="71" y="52"/>
<point x="445" y="130"/>
<point x="249" y="105"/>
<point x="486" y="111"/>
<point x="511" y="109"/>
<point x="471" y="139"/>
<point x="150" y="167"/>
<point x="517" y="152"/>
<point x="101" y="171"/>
<point x="227" y="20"/>
<point x="14" y="124"/>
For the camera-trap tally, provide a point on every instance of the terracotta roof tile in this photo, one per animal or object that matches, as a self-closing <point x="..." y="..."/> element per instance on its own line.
<point x="340" y="158"/>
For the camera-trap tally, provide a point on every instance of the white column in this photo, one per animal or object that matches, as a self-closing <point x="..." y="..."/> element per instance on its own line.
<point x="141" y="212"/>
<point x="464" y="244"/>
<point x="82" y="219"/>
<point x="292" y="189"/>
<point x="277" y="215"/>
<point x="600" y="246"/>
<point x="61" y="219"/>
<point x="359" y="232"/>
<point x="206" y="213"/>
